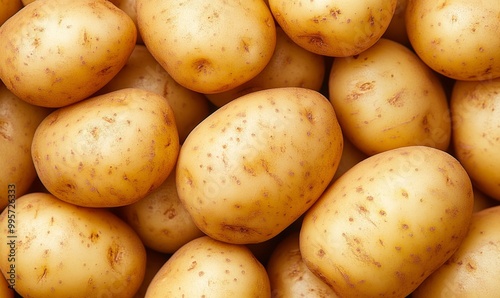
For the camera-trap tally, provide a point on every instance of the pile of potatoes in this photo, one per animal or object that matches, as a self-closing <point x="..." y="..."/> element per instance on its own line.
<point x="181" y="148"/>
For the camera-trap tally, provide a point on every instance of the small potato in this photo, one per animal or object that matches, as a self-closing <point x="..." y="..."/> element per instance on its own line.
<point x="107" y="151"/>
<point x="334" y="28"/>
<point x="474" y="268"/>
<point x="255" y="165"/>
<point x="62" y="250"/>
<point x="388" y="222"/>
<point x="387" y="98"/>
<point x="208" y="46"/>
<point x="18" y="122"/>
<point x="8" y="8"/>
<point x="457" y="38"/>
<point x="205" y="267"/>
<point x="58" y="52"/>
<point x="475" y="110"/>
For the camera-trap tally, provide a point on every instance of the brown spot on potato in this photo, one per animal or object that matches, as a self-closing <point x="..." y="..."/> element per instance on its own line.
<point x="202" y="66"/>
<point x="114" y="255"/>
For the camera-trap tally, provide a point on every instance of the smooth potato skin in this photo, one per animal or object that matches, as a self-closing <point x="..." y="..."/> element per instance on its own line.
<point x="67" y="251"/>
<point x="388" y="222"/>
<point x="107" y="151"/>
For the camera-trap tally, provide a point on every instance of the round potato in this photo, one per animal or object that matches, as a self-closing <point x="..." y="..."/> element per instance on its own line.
<point x="474" y="269"/>
<point x="334" y="28"/>
<point x="205" y="267"/>
<point x="388" y="222"/>
<point x="58" y="52"/>
<point x="386" y="98"/>
<point x="8" y="8"/>
<point x="475" y="110"/>
<point x="208" y="46"/>
<point x="61" y="250"/>
<point x="457" y="38"/>
<point x="107" y="151"/>
<point x="18" y="122"/>
<point x="255" y="165"/>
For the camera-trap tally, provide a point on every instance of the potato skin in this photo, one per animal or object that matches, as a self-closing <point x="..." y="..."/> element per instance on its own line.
<point x="8" y="9"/>
<point x="94" y="40"/>
<point x="107" y="151"/>
<point x="67" y="251"/>
<point x="255" y="165"/>
<point x="388" y="222"/>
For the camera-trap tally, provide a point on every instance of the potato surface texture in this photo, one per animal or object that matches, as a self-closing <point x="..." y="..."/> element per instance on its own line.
<point x="58" y="52"/>
<point x="388" y="222"/>
<point x="107" y="151"/>
<point x="67" y="251"/>
<point x="255" y="165"/>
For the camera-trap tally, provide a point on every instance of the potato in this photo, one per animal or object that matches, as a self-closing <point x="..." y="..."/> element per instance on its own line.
<point x="290" y="66"/>
<point x="130" y="8"/>
<point x="160" y="219"/>
<point x="154" y="261"/>
<point x="5" y="290"/>
<point x="290" y="277"/>
<point x="205" y="267"/>
<point x="8" y="8"/>
<point x="58" y="52"/>
<point x="62" y="250"/>
<point x="351" y="155"/>
<point x="107" y="151"/>
<point x="388" y="222"/>
<point x="474" y="269"/>
<point x="18" y="122"/>
<point x="475" y="109"/>
<point x="397" y="27"/>
<point x="255" y="165"/>
<point x="334" y="28"/>
<point x="457" y="38"/>
<point x="143" y="71"/>
<point x="386" y="98"/>
<point x="208" y="47"/>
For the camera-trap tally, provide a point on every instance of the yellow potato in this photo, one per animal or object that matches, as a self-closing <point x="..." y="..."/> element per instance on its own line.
<point x="475" y="110"/>
<point x="18" y="122"/>
<point x="208" y="46"/>
<point x="474" y="268"/>
<point x="386" y="98"/>
<point x="58" y="52"/>
<point x="8" y="8"/>
<point x="205" y="267"/>
<point x="388" y="222"/>
<point x="334" y="28"/>
<point x="255" y="165"/>
<point x="350" y="157"/>
<point x="290" y="66"/>
<point x="62" y="250"/>
<point x="457" y="38"/>
<point x="143" y="71"/>
<point x="107" y="151"/>
<point x="130" y="8"/>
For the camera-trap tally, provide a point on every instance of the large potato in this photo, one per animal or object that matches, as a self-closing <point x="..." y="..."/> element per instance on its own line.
<point x="457" y="38"/>
<point x="107" y="151"/>
<point x="62" y="250"/>
<point x="205" y="267"/>
<point x="475" y="109"/>
<point x="208" y="46"/>
<point x="386" y="98"/>
<point x="258" y="163"/>
<point x="334" y="28"/>
<point x="58" y="52"/>
<point x="388" y="222"/>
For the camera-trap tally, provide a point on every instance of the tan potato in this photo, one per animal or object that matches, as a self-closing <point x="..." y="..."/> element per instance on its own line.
<point x="62" y="250"/>
<point x="334" y="28"/>
<point x="290" y="277"/>
<point x="474" y="268"/>
<point x="290" y="66"/>
<point x="18" y="122"/>
<point x="107" y="151"/>
<point x="386" y="98"/>
<point x="143" y="71"/>
<point x="388" y="222"/>
<point x="457" y="38"/>
<point x="8" y="8"/>
<point x="255" y="165"/>
<point x="205" y="267"/>
<point x="58" y="52"/>
<point x="475" y="109"/>
<point x="160" y="219"/>
<point x="208" y="46"/>
<point x="130" y="8"/>
<point x="351" y="155"/>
